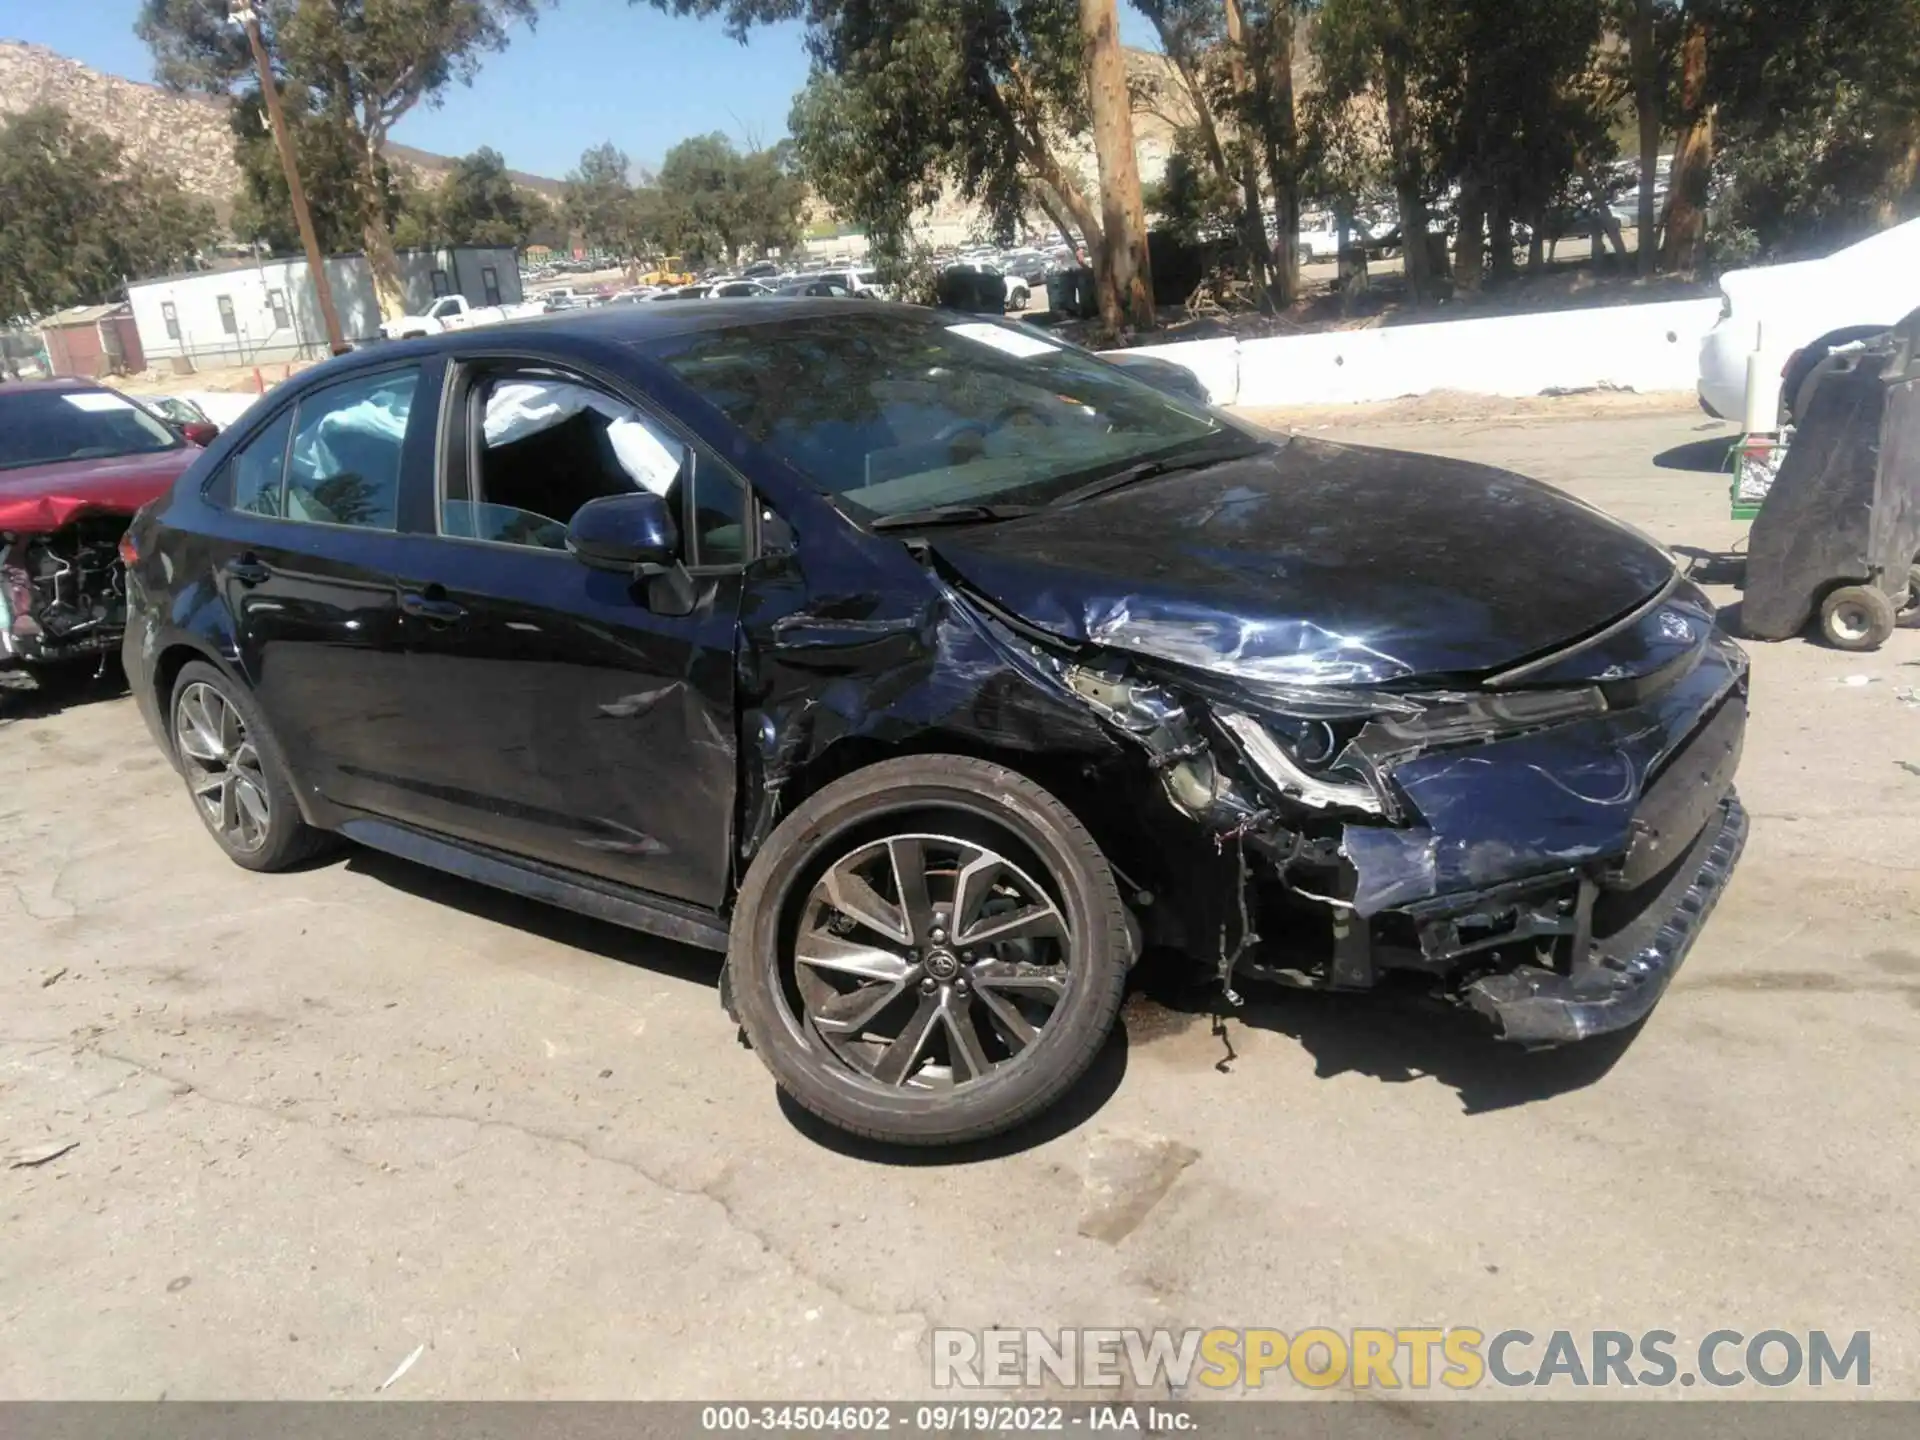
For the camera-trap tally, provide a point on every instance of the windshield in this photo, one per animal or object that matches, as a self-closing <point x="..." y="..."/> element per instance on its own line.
<point x="904" y="411"/>
<point x="44" y="427"/>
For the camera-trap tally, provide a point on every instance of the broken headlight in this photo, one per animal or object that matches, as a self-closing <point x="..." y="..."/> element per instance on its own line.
<point x="1290" y="764"/>
<point x="1158" y="719"/>
<point x="1298" y="756"/>
<point x="1324" y="748"/>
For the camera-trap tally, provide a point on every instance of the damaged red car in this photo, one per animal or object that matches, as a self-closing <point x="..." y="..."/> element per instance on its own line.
<point x="935" y="672"/>
<point x="76" y="461"/>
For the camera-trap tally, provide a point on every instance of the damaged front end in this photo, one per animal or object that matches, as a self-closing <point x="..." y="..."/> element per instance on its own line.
<point x="63" y="596"/>
<point x="1541" y="845"/>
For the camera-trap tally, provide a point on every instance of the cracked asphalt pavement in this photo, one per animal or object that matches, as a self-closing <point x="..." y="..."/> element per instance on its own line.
<point x="318" y="1120"/>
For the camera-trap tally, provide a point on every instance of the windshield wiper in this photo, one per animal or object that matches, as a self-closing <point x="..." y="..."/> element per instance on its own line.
<point x="964" y="514"/>
<point x="1152" y="470"/>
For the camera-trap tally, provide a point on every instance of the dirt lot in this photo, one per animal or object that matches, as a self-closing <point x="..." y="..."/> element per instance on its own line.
<point x="320" y="1120"/>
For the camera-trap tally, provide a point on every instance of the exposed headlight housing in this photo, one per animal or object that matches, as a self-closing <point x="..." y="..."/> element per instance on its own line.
<point x="1289" y="777"/>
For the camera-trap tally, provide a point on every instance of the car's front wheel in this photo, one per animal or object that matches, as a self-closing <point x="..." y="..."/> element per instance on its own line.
<point x="928" y="951"/>
<point x="235" y="773"/>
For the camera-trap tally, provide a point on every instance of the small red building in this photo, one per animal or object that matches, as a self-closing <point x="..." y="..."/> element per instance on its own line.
<point x="90" y="341"/>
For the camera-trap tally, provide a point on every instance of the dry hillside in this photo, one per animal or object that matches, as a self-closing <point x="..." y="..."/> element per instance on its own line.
<point x="183" y="135"/>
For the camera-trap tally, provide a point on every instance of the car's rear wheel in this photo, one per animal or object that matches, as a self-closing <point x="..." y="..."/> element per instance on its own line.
<point x="929" y="951"/>
<point x="234" y="771"/>
<point x="1856" y="617"/>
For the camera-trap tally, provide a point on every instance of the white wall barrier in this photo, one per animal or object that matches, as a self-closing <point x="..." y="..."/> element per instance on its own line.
<point x="1630" y="347"/>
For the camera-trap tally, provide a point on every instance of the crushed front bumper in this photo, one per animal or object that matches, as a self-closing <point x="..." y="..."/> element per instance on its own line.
<point x="1623" y="974"/>
<point x="1635" y="813"/>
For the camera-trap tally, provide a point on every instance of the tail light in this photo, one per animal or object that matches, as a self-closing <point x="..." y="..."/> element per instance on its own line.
<point x="129" y="550"/>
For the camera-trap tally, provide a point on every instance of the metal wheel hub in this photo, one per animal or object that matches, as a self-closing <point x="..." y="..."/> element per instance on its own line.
<point x="942" y="964"/>
<point x="928" y="962"/>
<point x="1850" y="621"/>
<point x="223" y="767"/>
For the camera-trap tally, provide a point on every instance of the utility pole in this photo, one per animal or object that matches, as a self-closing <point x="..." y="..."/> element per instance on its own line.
<point x="242" y="14"/>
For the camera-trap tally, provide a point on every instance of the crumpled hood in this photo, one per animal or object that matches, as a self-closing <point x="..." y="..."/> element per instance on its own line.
<point x="1315" y="563"/>
<point x="39" y="499"/>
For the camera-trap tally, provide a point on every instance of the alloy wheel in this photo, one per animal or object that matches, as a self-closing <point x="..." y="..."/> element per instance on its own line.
<point x="223" y="767"/>
<point x="928" y="962"/>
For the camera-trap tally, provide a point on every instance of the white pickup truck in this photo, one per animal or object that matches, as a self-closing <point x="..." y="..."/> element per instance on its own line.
<point x="455" y="312"/>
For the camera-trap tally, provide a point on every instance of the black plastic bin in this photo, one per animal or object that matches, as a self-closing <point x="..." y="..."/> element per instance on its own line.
<point x="1070" y="293"/>
<point x="974" y="292"/>
<point x="1838" y="535"/>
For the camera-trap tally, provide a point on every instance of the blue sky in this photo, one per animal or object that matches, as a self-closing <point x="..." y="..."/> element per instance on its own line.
<point x="592" y="70"/>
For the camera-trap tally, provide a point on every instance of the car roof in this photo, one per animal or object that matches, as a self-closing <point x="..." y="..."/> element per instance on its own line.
<point x="58" y="382"/>
<point x="624" y="324"/>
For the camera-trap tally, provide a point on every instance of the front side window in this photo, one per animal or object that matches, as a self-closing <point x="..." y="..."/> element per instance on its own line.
<point x="546" y="444"/>
<point x="277" y="300"/>
<point x="343" y="467"/>
<point x="228" y="322"/>
<point x="896" y="413"/>
<point x="440" y="285"/>
<point x="170" y="316"/>
<point x="44" y="427"/>
<point x="490" y="284"/>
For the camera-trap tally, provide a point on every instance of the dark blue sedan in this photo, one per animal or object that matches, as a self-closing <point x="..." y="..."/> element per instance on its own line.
<point x="934" y="670"/>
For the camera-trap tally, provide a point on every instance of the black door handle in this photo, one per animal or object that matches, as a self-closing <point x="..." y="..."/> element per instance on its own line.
<point x="248" y="571"/>
<point x="429" y="607"/>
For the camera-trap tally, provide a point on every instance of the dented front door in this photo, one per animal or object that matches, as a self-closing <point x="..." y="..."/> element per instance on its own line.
<point x="553" y="715"/>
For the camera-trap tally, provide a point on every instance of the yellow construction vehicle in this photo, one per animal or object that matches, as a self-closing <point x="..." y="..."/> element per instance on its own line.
<point x="671" y="272"/>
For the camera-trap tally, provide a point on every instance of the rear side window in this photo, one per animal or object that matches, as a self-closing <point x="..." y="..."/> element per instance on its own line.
<point x="259" y="466"/>
<point x="343" y="467"/>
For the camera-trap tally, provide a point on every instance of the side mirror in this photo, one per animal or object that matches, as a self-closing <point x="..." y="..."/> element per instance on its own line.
<point x="635" y="535"/>
<point x="200" y="432"/>
<point x="630" y="534"/>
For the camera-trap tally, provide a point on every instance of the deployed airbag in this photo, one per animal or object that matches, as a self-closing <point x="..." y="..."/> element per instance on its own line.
<point x="520" y="408"/>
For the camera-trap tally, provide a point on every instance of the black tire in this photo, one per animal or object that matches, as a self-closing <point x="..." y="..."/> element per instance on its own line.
<point x="1908" y="617"/>
<point x="954" y="793"/>
<point x="1856" y="618"/>
<point x="286" y="839"/>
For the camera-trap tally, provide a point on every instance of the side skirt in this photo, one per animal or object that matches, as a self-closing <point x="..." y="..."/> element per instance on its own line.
<point x="652" y="914"/>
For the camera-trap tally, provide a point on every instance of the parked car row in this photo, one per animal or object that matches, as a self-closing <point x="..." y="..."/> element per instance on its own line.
<point x="456" y="312"/>
<point x="821" y="284"/>
<point x="759" y="279"/>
